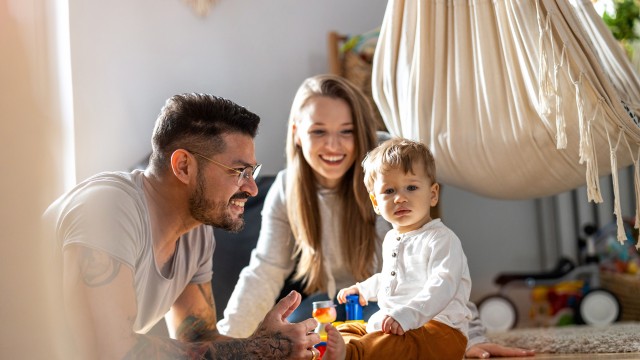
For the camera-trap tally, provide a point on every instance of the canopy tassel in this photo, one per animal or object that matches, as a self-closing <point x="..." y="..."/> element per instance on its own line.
<point x="593" y="183"/>
<point x="636" y="180"/>
<point x="617" y="210"/>
<point x="561" y="125"/>
<point x="636" y="183"/>
<point x="545" y="82"/>
<point x="581" y="122"/>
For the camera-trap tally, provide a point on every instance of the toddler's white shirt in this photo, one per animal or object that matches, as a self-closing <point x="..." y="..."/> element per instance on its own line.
<point x="424" y="276"/>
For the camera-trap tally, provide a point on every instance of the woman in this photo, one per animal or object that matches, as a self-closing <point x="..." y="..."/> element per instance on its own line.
<point x="317" y="219"/>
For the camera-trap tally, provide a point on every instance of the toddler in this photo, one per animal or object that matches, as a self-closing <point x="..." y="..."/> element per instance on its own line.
<point x="424" y="284"/>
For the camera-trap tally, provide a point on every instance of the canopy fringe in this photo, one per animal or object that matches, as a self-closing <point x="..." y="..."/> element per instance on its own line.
<point x="546" y="89"/>
<point x="581" y="122"/>
<point x="593" y="182"/>
<point x="617" y="210"/>
<point x="586" y="145"/>
<point x="636" y="183"/>
<point x="561" y="125"/>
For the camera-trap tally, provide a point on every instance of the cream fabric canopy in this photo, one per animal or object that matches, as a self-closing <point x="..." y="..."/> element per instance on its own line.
<point x="516" y="98"/>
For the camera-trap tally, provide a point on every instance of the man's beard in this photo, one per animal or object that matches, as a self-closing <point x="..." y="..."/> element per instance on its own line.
<point x="201" y="209"/>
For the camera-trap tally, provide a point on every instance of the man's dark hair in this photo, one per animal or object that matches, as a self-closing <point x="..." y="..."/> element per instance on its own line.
<point x="196" y="122"/>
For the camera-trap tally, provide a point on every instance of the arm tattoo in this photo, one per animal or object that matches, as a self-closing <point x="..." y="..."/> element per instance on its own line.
<point x="207" y="296"/>
<point x="272" y="345"/>
<point x="98" y="268"/>
<point x="268" y="346"/>
<point x="193" y="329"/>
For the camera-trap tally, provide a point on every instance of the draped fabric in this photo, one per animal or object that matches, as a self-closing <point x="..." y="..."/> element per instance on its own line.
<point x="36" y="109"/>
<point x="517" y="99"/>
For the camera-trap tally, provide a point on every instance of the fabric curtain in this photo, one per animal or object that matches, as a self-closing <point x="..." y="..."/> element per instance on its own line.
<point x="35" y="88"/>
<point x="517" y="99"/>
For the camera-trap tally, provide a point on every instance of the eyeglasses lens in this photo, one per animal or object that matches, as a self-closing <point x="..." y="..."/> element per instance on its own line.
<point x="249" y="172"/>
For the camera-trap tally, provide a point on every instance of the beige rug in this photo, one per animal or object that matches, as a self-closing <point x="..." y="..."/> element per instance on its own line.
<point x="616" y="338"/>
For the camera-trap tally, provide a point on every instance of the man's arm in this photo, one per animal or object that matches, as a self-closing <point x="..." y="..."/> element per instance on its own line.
<point x="99" y="303"/>
<point x="101" y="307"/>
<point x="193" y="316"/>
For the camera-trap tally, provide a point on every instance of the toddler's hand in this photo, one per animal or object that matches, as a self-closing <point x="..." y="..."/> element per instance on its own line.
<point x="391" y="326"/>
<point x="342" y="294"/>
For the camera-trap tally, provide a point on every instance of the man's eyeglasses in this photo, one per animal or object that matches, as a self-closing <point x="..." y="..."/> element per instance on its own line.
<point x="244" y="174"/>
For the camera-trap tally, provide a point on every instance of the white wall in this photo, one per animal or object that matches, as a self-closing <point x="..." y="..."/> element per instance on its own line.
<point x="497" y="235"/>
<point x="129" y="56"/>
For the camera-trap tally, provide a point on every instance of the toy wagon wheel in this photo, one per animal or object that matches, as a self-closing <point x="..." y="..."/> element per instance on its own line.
<point x="497" y="313"/>
<point x="599" y="307"/>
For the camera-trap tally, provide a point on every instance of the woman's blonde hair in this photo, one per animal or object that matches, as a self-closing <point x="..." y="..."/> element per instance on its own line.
<point x="358" y="230"/>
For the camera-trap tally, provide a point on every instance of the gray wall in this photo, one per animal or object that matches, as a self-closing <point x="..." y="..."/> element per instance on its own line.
<point x="129" y="56"/>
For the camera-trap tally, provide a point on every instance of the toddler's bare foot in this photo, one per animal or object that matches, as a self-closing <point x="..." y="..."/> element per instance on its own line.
<point x="336" y="349"/>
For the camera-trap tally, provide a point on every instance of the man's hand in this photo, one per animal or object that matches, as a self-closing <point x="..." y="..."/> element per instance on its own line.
<point x="391" y="326"/>
<point x="487" y="350"/>
<point x="281" y="339"/>
<point x="275" y="338"/>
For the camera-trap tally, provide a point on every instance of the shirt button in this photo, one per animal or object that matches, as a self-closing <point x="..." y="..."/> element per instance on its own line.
<point x="398" y="238"/>
<point x="393" y="273"/>
<point x="394" y="255"/>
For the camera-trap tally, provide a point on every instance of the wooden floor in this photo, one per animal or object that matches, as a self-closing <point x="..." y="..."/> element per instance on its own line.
<point x="617" y="356"/>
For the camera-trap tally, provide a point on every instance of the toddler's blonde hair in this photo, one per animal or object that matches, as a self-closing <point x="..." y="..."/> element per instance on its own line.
<point x="397" y="153"/>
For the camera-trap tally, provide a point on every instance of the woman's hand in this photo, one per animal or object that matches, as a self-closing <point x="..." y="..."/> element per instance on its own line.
<point x="487" y="350"/>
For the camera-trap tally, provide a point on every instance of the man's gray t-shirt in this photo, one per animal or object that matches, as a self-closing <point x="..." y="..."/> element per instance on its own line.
<point x="108" y="212"/>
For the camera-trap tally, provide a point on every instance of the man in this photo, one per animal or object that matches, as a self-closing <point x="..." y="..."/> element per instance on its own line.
<point x="134" y="248"/>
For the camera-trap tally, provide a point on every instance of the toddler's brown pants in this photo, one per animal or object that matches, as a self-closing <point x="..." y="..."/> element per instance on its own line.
<point x="434" y="340"/>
